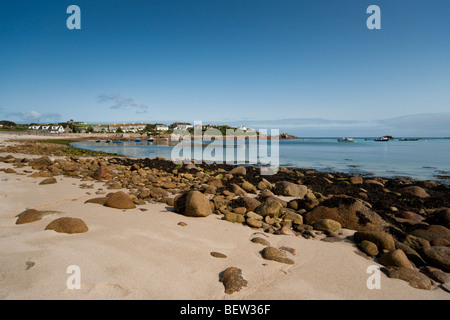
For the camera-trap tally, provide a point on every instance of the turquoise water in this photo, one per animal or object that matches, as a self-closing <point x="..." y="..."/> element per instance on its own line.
<point x="423" y="159"/>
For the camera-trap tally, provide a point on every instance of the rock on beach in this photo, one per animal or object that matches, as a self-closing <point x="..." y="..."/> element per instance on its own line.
<point x="68" y="225"/>
<point x="232" y="280"/>
<point x="119" y="200"/>
<point x="193" y="204"/>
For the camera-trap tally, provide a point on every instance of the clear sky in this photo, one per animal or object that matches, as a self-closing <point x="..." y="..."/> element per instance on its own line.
<point x="310" y="68"/>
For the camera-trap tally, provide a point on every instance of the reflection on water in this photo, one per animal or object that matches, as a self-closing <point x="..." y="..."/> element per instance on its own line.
<point x="422" y="159"/>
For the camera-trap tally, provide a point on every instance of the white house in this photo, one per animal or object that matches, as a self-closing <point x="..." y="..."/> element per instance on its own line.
<point x="161" y="127"/>
<point x="181" y="126"/>
<point x="55" y="129"/>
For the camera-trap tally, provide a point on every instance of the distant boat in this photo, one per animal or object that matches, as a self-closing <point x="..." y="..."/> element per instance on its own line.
<point x="150" y="139"/>
<point x="108" y="141"/>
<point x="346" y="140"/>
<point x="137" y="140"/>
<point x="117" y="141"/>
<point x="97" y="141"/>
<point x="384" y="138"/>
<point x="409" y="139"/>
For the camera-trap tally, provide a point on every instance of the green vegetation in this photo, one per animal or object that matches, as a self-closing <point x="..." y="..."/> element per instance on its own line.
<point x="74" y="151"/>
<point x="81" y="152"/>
<point x="58" y="141"/>
<point x="6" y="125"/>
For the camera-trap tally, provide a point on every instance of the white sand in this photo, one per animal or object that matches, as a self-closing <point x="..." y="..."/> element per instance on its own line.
<point x="136" y="254"/>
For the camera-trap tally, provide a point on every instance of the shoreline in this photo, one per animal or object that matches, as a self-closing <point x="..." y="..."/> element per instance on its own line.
<point x="148" y="239"/>
<point x="441" y="177"/>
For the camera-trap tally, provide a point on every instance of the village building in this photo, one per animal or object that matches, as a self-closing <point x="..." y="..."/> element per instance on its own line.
<point x="180" y="126"/>
<point x="127" y="127"/>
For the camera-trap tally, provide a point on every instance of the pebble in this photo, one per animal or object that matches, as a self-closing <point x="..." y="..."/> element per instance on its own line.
<point x="217" y="254"/>
<point x="260" y="241"/>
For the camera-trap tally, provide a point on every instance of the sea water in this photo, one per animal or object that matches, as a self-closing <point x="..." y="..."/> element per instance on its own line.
<point x="425" y="159"/>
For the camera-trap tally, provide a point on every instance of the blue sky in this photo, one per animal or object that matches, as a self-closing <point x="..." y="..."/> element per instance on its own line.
<point x="310" y="68"/>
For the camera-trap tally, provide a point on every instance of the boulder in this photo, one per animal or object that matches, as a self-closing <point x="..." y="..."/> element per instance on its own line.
<point x="67" y="225"/>
<point x="253" y="215"/>
<point x="437" y="256"/>
<point x="416" y="243"/>
<point x="368" y="248"/>
<point x="157" y="192"/>
<point x="411" y="216"/>
<point x="247" y="202"/>
<point x="375" y="182"/>
<point x="384" y="241"/>
<point x="270" y="207"/>
<point x="31" y="215"/>
<point x="232" y="280"/>
<point x="40" y="163"/>
<point x="396" y="258"/>
<point x="290" y="189"/>
<point x="197" y="205"/>
<point x="260" y="240"/>
<point x="41" y="174"/>
<point x="254" y="223"/>
<point x="436" y="274"/>
<point x="415" y="278"/>
<point x="214" y="182"/>
<point x="248" y="187"/>
<point x="241" y="171"/>
<point x="100" y="200"/>
<point x="356" y="180"/>
<point x="432" y="232"/>
<point x="440" y="242"/>
<point x="327" y="225"/>
<point x="238" y="190"/>
<point x="274" y="254"/>
<point x="233" y="217"/>
<point x="261" y="186"/>
<point x="119" y="200"/>
<point x="294" y="217"/>
<point x="414" y="191"/>
<point x="350" y="212"/>
<point x="240" y="210"/>
<point x="412" y="254"/>
<point x="102" y="173"/>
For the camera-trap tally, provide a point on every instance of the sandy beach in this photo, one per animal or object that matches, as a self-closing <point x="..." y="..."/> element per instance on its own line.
<point x="145" y="253"/>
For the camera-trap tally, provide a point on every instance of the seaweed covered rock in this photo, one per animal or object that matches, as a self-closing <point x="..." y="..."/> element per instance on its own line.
<point x="350" y="212"/>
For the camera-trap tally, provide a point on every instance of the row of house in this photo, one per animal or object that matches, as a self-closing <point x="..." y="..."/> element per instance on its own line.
<point x="47" y="128"/>
<point x="125" y="127"/>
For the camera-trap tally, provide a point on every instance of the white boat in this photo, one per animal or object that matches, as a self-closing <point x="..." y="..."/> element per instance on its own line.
<point x="384" y="138"/>
<point x="346" y="140"/>
<point x="150" y="139"/>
